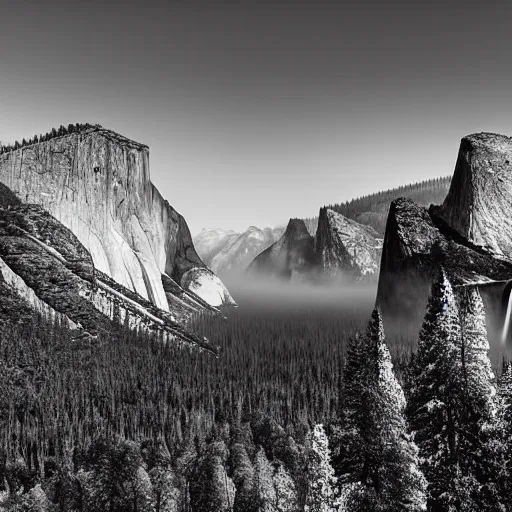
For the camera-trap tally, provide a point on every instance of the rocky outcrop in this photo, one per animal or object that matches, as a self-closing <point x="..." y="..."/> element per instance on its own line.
<point x="346" y="248"/>
<point x="480" y="198"/>
<point x="237" y="252"/>
<point x="44" y="267"/>
<point x="469" y="235"/>
<point x="292" y="257"/>
<point x="342" y="248"/>
<point x="97" y="184"/>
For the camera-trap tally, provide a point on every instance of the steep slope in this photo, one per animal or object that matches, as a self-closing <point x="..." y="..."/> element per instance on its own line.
<point x="44" y="267"/>
<point x="292" y="257"/>
<point x="97" y="183"/>
<point x="345" y="247"/>
<point x="480" y="198"/>
<point x="469" y="236"/>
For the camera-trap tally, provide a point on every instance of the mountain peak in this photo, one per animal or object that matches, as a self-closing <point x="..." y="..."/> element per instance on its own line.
<point x="493" y="141"/>
<point x="478" y="203"/>
<point x="296" y="229"/>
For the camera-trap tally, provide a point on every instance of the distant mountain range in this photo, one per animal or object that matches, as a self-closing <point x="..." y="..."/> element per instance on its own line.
<point x="350" y="238"/>
<point x="230" y="252"/>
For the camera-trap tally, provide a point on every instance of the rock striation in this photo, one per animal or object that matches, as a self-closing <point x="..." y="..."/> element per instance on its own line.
<point x="469" y="235"/>
<point x="97" y="183"/>
<point x="44" y="267"/>
<point x="480" y="197"/>
<point x="345" y="247"/>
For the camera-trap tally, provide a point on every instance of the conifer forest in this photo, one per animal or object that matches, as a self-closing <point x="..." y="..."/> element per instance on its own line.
<point x="255" y="256"/>
<point x="305" y="409"/>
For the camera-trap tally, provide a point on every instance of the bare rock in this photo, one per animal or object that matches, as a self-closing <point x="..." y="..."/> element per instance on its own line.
<point x="345" y="247"/>
<point x="97" y="184"/>
<point x="480" y="197"/>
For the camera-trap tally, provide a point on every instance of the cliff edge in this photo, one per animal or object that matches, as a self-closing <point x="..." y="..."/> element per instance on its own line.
<point x="97" y="184"/>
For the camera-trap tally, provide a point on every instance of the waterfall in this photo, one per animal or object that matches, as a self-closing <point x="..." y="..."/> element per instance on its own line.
<point x="506" y="325"/>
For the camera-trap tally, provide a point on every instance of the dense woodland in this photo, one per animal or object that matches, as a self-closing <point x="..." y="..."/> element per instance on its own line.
<point x="304" y="410"/>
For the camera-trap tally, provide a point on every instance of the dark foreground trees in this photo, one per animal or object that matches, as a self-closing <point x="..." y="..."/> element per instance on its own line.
<point x="291" y="422"/>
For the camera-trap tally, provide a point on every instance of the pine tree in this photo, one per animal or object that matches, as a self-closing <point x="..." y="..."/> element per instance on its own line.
<point x="350" y="457"/>
<point x="35" y="501"/>
<point x="286" y="494"/>
<point x="321" y="480"/>
<point x="436" y="401"/>
<point x="264" y="483"/>
<point x="387" y="476"/>
<point x="165" y="489"/>
<point x="211" y="490"/>
<point x="481" y="453"/>
<point x="243" y="478"/>
<point x="505" y="430"/>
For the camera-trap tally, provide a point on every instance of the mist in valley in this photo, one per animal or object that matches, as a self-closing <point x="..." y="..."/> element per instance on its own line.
<point x="265" y="292"/>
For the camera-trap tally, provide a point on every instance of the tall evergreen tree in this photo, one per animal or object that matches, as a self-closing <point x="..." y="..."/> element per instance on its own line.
<point x="243" y="478"/>
<point x="263" y="483"/>
<point x="286" y="494"/>
<point x="505" y="430"/>
<point x="350" y="458"/>
<point x="453" y="403"/>
<point x="211" y="489"/>
<point x="321" y="480"/>
<point x="435" y="397"/>
<point x="387" y="476"/>
<point x="481" y="453"/>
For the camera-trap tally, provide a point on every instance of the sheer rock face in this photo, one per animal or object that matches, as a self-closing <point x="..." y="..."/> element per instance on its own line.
<point x="97" y="184"/>
<point x="44" y="267"/>
<point x="345" y="247"/>
<point x="478" y="205"/>
<point x="416" y="245"/>
<point x="469" y="235"/>
<point x="292" y="257"/>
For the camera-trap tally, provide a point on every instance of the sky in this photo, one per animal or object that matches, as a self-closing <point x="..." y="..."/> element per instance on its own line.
<point x="258" y="111"/>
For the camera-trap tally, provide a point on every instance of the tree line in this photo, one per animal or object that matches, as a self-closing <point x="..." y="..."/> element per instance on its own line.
<point x="52" y="134"/>
<point x="372" y="209"/>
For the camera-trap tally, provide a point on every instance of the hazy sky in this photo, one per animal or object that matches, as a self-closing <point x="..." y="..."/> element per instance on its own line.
<point x="257" y="111"/>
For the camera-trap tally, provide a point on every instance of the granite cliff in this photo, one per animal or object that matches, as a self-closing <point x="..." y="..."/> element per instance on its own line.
<point x="469" y="235"/>
<point x="345" y="247"/>
<point x="479" y="201"/>
<point x="45" y="268"/>
<point x="97" y="183"/>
